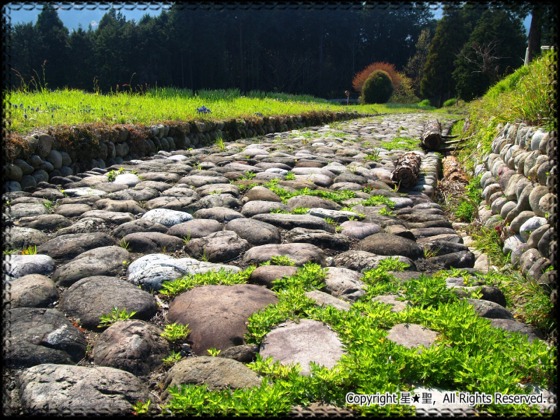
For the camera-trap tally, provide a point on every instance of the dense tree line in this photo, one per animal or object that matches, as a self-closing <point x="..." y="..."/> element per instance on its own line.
<point x="293" y="49"/>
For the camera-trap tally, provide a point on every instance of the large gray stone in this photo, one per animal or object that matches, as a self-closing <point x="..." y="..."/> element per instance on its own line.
<point x="45" y="222"/>
<point x="138" y="226"/>
<point x="260" y="193"/>
<point x="69" y="246"/>
<point x="412" y="335"/>
<point x="72" y="210"/>
<point x="196" y="228"/>
<point x="265" y="275"/>
<point x="518" y="327"/>
<point x="115" y="217"/>
<point x="219" y="200"/>
<point x="33" y="290"/>
<point x="23" y="237"/>
<point x="534" y="199"/>
<point x="62" y="390"/>
<point x="92" y="297"/>
<point x="183" y="204"/>
<point x="390" y="245"/>
<point x="291" y="221"/>
<point x="489" y="309"/>
<point x="531" y="225"/>
<point x="361" y="261"/>
<point x="254" y="231"/>
<point x="344" y="283"/>
<point x="359" y="230"/>
<point x="214" y="372"/>
<point x="150" y="271"/>
<point x="200" y="180"/>
<point x="40" y="335"/>
<point x="325" y="299"/>
<point x="217" y="247"/>
<point x="217" y="315"/>
<point x="22" y="265"/>
<point x="251" y="208"/>
<point x="220" y="214"/>
<point x="132" y="345"/>
<point x="85" y="225"/>
<point x="298" y="253"/>
<point x="103" y="261"/>
<point x="301" y="343"/>
<point x="125" y="206"/>
<point x="309" y="201"/>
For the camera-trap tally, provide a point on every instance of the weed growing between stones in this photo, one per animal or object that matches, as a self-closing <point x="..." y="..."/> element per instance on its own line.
<point x="174" y="332"/>
<point x="220" y="144"/>
<point x="214" y="352"/>
<point x="141" y="407"/>
<point x="280" y="260"/>
<point x="376" y="200"/>
<point x="285" y="195"/>
<point x="173" y="358"/>
<point x="467" y="207"/>
<point x="530" y="301"/>
<point x="49" y="205"/>
<point x="115" y="315"/>
<point x="373" y="156"/>
<point x="112" y="174"/>
<point x="300" y="210"/>
<point x="248" y="175"/>
<point x="488" y="241"/>
<point x="401" y="143"/>
<point x="173" y="288"/>
<point x="30" y="250"/>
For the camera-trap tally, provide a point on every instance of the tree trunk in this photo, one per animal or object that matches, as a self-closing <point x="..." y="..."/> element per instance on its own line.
<point x="407" y="169"/>
<point x="431" y="136"/>
<point x="535" y="32"/>
<point x="452" y="170"/>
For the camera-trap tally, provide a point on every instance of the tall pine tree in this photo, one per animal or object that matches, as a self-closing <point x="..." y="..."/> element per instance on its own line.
<point x="53" y="49"/>
<point x="495" y="49"/>
<point x="452" y="32"/>
<point x="415" y="66"/>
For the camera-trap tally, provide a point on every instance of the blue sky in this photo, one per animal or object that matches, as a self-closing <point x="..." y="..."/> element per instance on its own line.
<point x="82" y="15"/>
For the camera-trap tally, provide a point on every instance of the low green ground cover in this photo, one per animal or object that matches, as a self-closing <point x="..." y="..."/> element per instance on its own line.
<point x="469" y="354"/>
<point x="28" y="110"/>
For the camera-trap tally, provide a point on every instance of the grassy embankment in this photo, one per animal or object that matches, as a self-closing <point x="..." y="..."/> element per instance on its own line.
<point x="524" y="96"/>
<point x="44" y="108"/>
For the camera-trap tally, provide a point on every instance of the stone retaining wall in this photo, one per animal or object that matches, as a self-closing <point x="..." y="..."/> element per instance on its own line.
<point x="42" y="156"/>
<point x="519" y="182"/>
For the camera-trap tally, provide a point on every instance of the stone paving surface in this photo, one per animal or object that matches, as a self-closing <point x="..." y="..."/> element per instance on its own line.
<point x="104" y="243"/>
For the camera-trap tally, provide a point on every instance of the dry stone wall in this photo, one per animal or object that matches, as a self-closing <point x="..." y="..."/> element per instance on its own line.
<point x="519" y="183"/>
<point x="43" y="156"/>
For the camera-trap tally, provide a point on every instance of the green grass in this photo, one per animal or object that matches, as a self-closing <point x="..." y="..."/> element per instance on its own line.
<point x="115" y="315"/>
<point x="402" y="143"/>
<point x="174" y="332"/>
<point x="524" y="96"/>
<point x="285" y="195"/>
<point x="40" y="109"/>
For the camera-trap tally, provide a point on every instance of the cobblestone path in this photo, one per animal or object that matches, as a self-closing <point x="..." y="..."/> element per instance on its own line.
<point x="111" y="237"/>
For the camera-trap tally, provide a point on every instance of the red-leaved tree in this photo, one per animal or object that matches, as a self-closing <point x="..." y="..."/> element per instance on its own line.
<point x="361" y="77"/>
